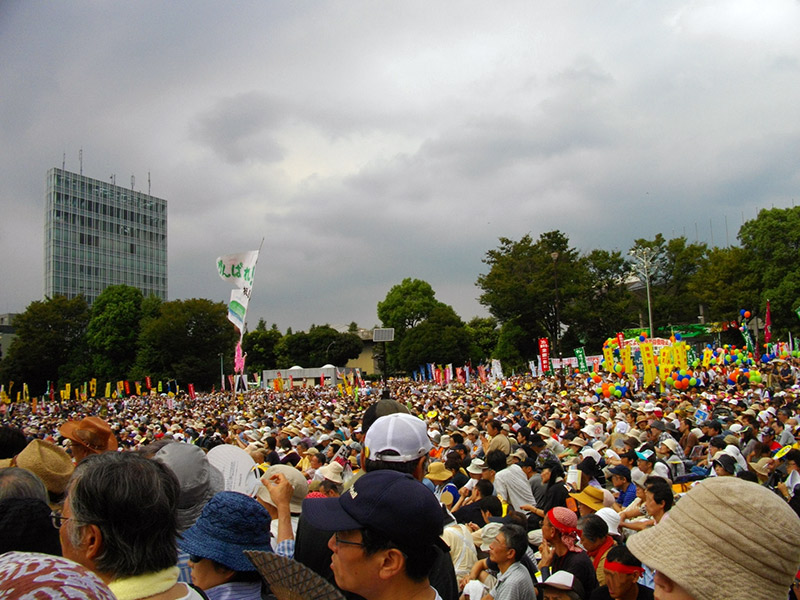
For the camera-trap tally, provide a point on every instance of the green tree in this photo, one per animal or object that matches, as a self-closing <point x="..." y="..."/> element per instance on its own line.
<point x="772" y="241"/>
<point x="606" y="306"/>
<point x="484" y="332"/>
<point x="113" y="331"/>
<point x="533" y="285"/>
<point x="321" y="345"/>
<point x="184" y="342"/>
<point x="260" y="346"/>
<point x="725" y="283"/>
<point x="440" y="338"/>
<point x="674" y="264"/>
<point x="406" y="305"/>
<point x="50" y="344"/>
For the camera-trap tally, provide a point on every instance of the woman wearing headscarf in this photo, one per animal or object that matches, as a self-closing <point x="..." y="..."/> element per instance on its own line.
<point x="560" y="550"/>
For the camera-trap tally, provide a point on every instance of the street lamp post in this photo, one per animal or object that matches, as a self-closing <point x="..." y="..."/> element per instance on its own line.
<point x="221" y="373"/>
<point x="554" y="256"/>
<point x="644" y="257"/>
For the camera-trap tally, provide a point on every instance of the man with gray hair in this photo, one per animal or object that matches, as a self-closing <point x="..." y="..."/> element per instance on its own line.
<point x="120" y="521"/>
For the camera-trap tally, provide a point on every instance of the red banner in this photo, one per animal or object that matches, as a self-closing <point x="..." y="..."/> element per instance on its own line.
<point x="191" y="391"/>
<point x="620" y="340"/>
<point x="127" y="388"/>
<point x="544" y="354"/>
<point x="147" y="383"/>
<point x="768" y="326"/>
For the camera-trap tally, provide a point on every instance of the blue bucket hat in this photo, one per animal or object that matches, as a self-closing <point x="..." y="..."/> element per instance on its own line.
<point x="230" y="524"/>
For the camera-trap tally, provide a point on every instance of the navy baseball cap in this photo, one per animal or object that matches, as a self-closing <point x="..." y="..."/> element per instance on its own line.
<point x="389" y="503"/>
<point x="622" y="471"/>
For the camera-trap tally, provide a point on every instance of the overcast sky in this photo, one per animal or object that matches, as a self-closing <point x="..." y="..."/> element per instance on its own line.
<point x="371" y="141"/>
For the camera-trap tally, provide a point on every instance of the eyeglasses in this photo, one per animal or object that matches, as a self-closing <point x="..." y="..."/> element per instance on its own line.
<point x="340" y="541"/>
<point x="58" y="520"/>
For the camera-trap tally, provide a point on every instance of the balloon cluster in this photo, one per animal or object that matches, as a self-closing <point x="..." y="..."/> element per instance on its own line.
<point x="682" y="379"/>
<point x="730" y="355"/>
<point x="752" y="375"/>
<point x="606" y="389"/>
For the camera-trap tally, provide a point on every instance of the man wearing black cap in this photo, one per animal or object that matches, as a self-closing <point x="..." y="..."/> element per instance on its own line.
<point x="386" y="528"/>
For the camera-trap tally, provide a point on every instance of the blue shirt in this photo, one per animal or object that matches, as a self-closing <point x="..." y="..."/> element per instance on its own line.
<point x="628" y="496"/>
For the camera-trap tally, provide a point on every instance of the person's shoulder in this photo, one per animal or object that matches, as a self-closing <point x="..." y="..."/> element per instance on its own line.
<point x="600" y="593"/>
<point x="192" y="593"/>
<point x="645" y="593"/>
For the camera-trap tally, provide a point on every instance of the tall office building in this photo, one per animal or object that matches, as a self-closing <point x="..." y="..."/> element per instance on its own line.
<point x="98" y="234"/>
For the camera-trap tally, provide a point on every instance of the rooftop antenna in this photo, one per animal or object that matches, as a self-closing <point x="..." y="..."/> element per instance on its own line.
<point x="80" y="160"/>
<point x="133" y="182"/>
<point x="727" y="240"/>
<point x="113" y="179"/>
<point x="148" y="183"/>
<point x="64" y="161"/>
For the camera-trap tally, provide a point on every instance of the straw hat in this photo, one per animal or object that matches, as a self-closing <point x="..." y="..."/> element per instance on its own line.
<point x="49" y="462"/>
<point x="591" y="497"/>
<point x="437" y="472"/>
<point x="726" y="538"/>
<point x="760" y="467"/>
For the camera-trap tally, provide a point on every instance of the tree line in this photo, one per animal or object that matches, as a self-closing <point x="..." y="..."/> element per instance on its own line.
<point x="531" y="289"/>
<point x="125" y="336"/>
<point x="546" y="288"/>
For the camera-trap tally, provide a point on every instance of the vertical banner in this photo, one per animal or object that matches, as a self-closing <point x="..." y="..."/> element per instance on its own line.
<point x="620" y="340"/>
<point x="637" y="361"/>
<point x="191" y="391"/>
<point x="532" y="367"/>
<point x="138" y="385"/>
<point x="108" y="390"/>
<point x="648" y="363"/>
<point x="608" y="358"/>
<point x="748" y="339"/>
<point x="708" y="353"/>
<point x="239" y="270"/>
<point x="497" y="369"/>
<point x="544" y="355"/>
<point x="148" y="384"/>
<point x="627" y="360"/>
<point x="666" y="357"/>
<point x="68" y="390"/>
<point x="681" y="357"/>
<point x="580" y="356"/>
<point x="768" y="326"/>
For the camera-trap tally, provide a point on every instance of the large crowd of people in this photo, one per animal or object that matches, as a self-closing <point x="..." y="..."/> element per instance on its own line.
<point x="508" y="489"/>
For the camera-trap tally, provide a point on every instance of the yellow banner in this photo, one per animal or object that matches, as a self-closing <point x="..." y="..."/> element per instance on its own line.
<point x="108" y="389"/>
<point x="138" y="388"/>
<point x="681" y="359"/>
<point x="648" y="362"/>
<point x="667" y="357"/>
<point x="68" y="390"/>
<point x="93" y="387"/>
<point x="707" y="354"/>
<point x="627" y="360"/>
<point x="608" y="358"/>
